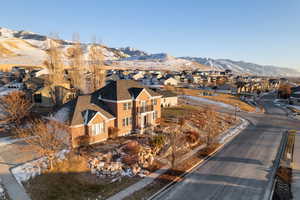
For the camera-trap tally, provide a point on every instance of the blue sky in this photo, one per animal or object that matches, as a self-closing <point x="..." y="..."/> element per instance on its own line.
<point x="261" y="31"/>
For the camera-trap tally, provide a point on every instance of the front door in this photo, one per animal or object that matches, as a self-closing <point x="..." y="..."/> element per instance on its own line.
<point x="144" y="120"/>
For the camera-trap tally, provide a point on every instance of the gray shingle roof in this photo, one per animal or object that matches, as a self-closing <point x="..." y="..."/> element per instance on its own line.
<point x="77" y="110"/>
<point x="166" y="93"/>
<point x="85" y="103"/>
<point x="122" y="90"/>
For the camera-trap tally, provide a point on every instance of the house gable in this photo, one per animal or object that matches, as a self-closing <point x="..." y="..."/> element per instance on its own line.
<point x="97" y="118"/>
<point x="144" y="94"/>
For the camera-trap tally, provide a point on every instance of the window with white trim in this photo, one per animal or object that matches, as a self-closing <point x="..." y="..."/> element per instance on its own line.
<point x="154" y="115"/>
<point x="127" y="106"/>
<point x="97" y="129"/>
<point x="127" y="121"/>
<point x="154" y="102"/>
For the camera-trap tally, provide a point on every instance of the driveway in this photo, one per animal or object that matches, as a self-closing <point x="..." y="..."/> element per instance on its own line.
<point x="12" y="155"/>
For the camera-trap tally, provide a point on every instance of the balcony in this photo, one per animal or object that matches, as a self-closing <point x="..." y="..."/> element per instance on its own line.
<point x="145" y="109"/>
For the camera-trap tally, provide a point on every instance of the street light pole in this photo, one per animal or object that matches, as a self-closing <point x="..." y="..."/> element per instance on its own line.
<point x="235" y="112"/>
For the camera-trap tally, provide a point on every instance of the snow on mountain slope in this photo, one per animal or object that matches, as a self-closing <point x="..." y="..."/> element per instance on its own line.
<point x="24" y="47"/>
<point x="157" y="61"/>
<point x="132" y="51"/>
<point x="28" y="48"/>
<point x="18" y="51"/>
<point x="241" y="67"/>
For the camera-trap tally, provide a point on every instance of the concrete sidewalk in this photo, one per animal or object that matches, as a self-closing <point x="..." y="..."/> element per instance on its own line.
<point x="13" y="188"/>
<point x="296" y="168"/>
<point x="12" y="153"/>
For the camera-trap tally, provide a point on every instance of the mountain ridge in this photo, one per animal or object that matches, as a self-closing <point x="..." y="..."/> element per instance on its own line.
<point x="242" y="67"/>
<point x="29" y="48"/>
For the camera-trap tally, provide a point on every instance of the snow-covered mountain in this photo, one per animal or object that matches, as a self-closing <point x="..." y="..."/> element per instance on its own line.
<point x="241" y="67"/>
<point x="161" y="61"/>
<point x="132" y="51"/>
<point x="28" y="48"/>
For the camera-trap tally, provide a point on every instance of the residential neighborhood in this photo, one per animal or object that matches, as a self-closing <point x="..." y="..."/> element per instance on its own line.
<point x="156" y="100"/>
<point x="122" y="129"/>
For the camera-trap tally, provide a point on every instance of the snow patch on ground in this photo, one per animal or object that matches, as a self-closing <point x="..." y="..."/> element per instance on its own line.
<point x="296" y="107"/>
<point x="3" y="195"/>
<point x="5" y="91"/>
<point x="62" y="115"/>
<point x="31" y="169"/>
<point x="8" y="140"/>
<point x="233" y="131"/>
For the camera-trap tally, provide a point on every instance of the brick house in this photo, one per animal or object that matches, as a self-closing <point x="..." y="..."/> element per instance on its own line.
<point x="119" y="108"/>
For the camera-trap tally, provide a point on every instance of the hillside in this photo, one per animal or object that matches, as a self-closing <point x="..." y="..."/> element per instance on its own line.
<point x="160" y="61"/>
<point x="241" y="67"/>
<point x="28" y="48"/>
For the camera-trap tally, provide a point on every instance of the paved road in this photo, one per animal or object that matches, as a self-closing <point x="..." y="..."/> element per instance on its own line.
<point x="242" y="169"/>
<point x="12" y="155"/>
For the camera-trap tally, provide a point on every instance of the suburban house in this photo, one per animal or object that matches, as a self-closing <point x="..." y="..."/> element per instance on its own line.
<point x="137" y="76"/>
<point x="168" y="98"/>
<point x="170" y="81"/>
<point x="43" y="97"/>
<point x="119" y="108"/>
<point x="295" y="96"/>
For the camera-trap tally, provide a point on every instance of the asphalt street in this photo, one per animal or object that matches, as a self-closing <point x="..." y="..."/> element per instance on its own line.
<point x="242" y="169"/>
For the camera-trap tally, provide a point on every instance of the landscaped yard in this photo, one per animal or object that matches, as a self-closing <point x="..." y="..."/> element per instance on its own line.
<point x="72" y="179"/>
<point x="171" y="175"/>
<point x="82" y="176"/>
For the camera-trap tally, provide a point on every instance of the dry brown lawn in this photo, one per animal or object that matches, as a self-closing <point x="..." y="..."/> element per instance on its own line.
<point x="224" y="98"/>
<point x="8" y="67"/>
<point x="72" y="179"/>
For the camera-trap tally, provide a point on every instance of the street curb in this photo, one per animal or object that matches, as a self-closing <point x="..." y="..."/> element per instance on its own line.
<point x="201" y="162"/>
<point x="271" y="185"/>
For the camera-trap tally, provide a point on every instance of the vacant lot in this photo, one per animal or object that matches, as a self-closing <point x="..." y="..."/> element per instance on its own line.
<point x="224" y="98"/>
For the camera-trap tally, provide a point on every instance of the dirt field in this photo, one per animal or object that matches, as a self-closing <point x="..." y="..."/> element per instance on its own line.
<point x="224" y="98"/>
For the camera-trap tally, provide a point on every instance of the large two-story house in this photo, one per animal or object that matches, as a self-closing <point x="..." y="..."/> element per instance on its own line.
<point x="119" y="108"/>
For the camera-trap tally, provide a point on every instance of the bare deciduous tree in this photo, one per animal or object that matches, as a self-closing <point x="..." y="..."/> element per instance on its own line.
<point x="96" y="62"/>
<point x="76" y="55"/>
<point x="176" y="139"/>
<point x="211" y="126"/>
<point x="14" y="107"/>
<point x="46" y="136"/>
<point x="55" y="66"/>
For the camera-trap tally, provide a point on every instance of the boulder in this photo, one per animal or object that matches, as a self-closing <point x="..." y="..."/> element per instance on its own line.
<point x="135" y="169"/>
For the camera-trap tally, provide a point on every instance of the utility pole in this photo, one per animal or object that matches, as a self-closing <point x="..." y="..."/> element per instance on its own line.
<point x="235" y="113"/>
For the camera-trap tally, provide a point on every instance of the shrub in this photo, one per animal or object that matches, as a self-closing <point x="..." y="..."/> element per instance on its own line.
<point x="192" y="136"/>
<point x="132" y="147"/>
<point x="157" y="141"/>
<point x="130" y="159"/>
